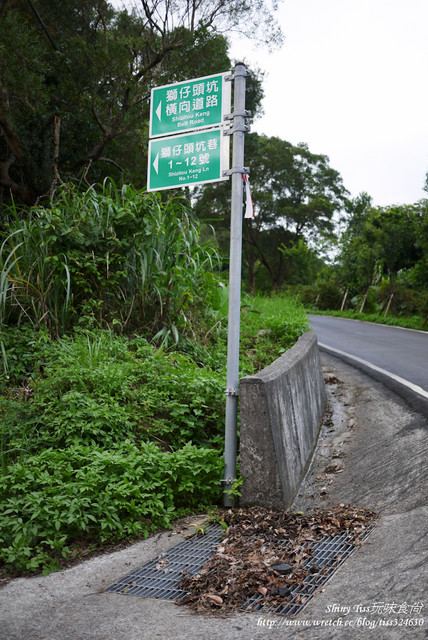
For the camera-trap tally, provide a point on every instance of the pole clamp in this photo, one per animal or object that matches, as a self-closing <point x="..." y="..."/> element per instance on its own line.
<point x="243" y="114"/>
<point x="239" y="127"/>
<point x="229" y="172"/>
<point x="246" y="73"/>
<point x="231" y="391"/>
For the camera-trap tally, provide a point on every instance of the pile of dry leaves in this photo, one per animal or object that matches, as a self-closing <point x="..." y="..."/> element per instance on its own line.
<point x="250" y="559"/>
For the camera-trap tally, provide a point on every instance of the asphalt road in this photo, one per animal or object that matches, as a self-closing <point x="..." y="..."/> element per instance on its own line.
<point x="397" y="355"/>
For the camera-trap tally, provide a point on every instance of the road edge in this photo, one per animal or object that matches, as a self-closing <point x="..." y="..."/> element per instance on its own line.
<point x="414" y="396"/>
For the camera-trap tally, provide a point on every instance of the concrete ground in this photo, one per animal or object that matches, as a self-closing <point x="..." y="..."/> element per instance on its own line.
<point x="380" y="445"/>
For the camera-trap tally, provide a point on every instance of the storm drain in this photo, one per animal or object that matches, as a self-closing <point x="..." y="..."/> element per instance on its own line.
<point x="327" y="556"/>
<point x="160" y="578"/>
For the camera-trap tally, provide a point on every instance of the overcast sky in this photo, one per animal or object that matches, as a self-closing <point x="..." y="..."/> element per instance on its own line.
<point x="352" y="82"/>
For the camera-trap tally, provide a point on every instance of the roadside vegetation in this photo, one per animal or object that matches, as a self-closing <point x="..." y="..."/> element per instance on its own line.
<point x="113" y="301"/>
<point x="113" y="370"/>
<point x="380" y="270"/>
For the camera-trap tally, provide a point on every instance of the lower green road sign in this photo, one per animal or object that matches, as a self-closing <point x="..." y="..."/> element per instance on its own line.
<point x="194" y="158"/>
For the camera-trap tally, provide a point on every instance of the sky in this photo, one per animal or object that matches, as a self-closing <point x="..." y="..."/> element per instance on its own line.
<point x="351" y="81"/>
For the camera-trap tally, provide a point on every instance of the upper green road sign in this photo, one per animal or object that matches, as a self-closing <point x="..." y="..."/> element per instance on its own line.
<point x="193" y="104"/>
<point x="193" y="158"/>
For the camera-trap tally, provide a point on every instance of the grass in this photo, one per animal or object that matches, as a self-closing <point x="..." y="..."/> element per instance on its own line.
<point x="121" y="256"/>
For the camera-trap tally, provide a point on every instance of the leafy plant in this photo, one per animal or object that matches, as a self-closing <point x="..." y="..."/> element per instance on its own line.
<point x="106" y="437"/>
<point x="234" y="491"/>
<point x="58" y="496"/>
<point x="22" y="350"/>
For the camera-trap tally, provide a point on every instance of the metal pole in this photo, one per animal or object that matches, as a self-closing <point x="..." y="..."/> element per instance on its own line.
<point x="232" y="392"/>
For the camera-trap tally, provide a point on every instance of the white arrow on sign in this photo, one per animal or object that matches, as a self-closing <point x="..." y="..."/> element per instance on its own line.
<point x="156" y="164"/>
<point x="159" y="111"/>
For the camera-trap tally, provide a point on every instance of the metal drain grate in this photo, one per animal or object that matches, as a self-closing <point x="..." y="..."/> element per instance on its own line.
<point x="327" y="556"/>
<point x="160" y="578"/>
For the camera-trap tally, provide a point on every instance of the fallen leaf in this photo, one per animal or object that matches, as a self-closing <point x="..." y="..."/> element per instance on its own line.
<point x="214" y="599"/>
<point x="258" y="538"/>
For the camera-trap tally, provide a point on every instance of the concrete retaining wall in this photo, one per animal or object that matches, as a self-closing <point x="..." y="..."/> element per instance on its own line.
<point x="281" y="412"/>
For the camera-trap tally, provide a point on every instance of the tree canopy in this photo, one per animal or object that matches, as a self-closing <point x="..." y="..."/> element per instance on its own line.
<point x="75" y="81"/>
<point x="383" y="242"/>
<point x="295" y="193"/>
<point x="383" y="256"/>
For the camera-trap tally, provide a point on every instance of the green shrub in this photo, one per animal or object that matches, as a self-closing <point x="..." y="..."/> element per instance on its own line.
<point x="58" y="496"/>
<point x="22" y="351"/>
<point x="106" y="437"/>
<point x="372" y="301"/>
<point x="79" y="418"/>
<point x="18" y="430"/>
<point x="99" y="388"/>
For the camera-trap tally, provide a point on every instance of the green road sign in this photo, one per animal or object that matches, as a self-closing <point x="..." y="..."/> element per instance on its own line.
<point x="185" y="106"/>
<point x="179" y="161"/>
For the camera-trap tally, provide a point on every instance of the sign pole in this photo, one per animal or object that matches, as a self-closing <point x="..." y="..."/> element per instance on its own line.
<point x="232" y="390"/>
<point x="179" y="156"/>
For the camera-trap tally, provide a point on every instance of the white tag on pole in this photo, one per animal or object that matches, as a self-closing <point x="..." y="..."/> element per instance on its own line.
<point x="249" y="207"/>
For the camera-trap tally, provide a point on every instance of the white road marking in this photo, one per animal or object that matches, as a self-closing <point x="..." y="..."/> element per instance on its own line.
<point x="406" y="383"/>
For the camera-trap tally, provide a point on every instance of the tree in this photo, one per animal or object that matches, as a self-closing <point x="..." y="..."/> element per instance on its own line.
<point x="75" y="81"/>
<point x="383" y="242"/>
<point x="359" y="266"/>
<point x="296" y="194"/>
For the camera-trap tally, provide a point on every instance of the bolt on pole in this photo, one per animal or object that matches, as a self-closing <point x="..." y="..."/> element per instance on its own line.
<point x="239" y="129"/>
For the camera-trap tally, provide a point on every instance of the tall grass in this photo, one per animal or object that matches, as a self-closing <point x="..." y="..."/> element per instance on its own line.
<point x="120" y="256"/>
<point x="34" y="284"/>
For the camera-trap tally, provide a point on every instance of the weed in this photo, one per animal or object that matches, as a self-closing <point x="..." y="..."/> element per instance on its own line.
<point x="58" y="496"/>
<point x="106" y="437"/>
